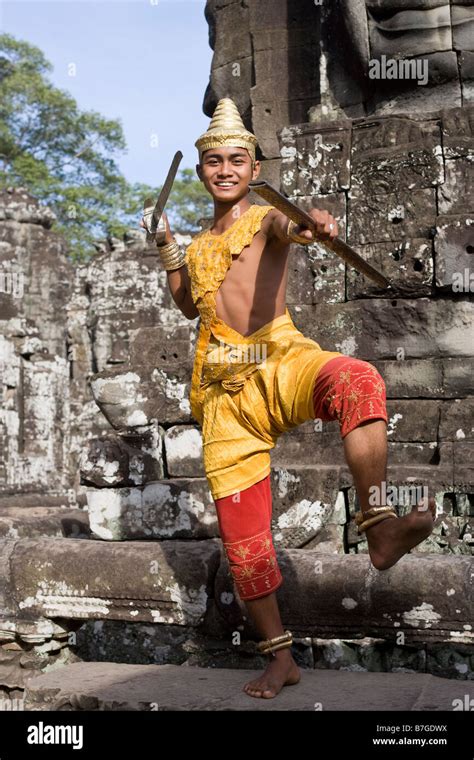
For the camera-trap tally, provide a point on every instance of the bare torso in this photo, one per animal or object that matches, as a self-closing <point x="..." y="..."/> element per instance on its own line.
<point x="253" y="291"/>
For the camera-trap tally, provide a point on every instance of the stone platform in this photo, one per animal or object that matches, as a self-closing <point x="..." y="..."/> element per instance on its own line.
<point x="111" y="686"/>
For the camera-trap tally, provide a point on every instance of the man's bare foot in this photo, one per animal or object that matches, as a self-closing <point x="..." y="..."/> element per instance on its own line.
<point x="281" y="671"/>
<point x="390" y="539"/>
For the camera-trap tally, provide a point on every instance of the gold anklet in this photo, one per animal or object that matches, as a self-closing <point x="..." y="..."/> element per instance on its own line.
<point x="268" y="646"/>
<point x="373" y="516"/>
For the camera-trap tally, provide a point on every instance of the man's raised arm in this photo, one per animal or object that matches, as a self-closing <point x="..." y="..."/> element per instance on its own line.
<point x="178" y="279"/>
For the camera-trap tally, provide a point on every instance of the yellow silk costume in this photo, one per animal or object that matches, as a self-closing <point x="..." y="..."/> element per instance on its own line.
<point x="244" y="406"/>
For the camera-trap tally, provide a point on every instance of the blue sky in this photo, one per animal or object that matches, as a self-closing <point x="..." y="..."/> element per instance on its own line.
<point x="145" y="62"/>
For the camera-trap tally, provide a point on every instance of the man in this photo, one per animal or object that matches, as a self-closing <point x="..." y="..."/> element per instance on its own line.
<point x="234" y="277"/>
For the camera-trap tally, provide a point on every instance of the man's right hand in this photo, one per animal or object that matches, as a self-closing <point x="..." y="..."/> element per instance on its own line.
<point x="168" y="237"/>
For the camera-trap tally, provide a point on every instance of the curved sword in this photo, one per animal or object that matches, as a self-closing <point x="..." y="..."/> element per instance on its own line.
<point x="338" y="246"/>
<point x="152" y="213"/>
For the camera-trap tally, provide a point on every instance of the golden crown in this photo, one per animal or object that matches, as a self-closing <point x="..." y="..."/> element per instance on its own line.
<point x="226" y="128"/>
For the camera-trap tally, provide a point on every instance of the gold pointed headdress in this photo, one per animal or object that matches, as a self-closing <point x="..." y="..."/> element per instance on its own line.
<point x="226" y="128"/>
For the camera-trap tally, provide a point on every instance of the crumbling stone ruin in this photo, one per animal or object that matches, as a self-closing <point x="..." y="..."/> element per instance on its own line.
<point x="108" y="535"/>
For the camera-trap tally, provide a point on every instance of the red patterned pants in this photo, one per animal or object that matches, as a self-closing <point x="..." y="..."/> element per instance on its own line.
<point x="348" y="390"/>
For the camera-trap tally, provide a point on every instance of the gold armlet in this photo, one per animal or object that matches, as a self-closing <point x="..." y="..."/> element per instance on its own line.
<point x="373" y="516"/>
<point x="294" y="235"/>
<point x="273" y="645"/>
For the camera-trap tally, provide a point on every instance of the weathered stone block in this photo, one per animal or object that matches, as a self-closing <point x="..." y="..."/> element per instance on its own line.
<point x="458" y="377"/>
<point x="105" y="686"/>
<point x="18" y="205"/>
<point x="184" y="456"/>
<point x="162" y="345"/>
<point x="381" y="329"/>
<point x="298" y="519"/>
<point x="132" y="397"/>
<point x="316" y="159"/>
<point x="393" y="216"/>
<point x="316" y="274"/>
<point x="457" y="420"/>
<point x="270" y="172"/>
<point x="427" y="378"/>
<point x="179" y="508"/>
<point x="157" y="582"/>
<point x="329" y="540"/>
<point x="269" y="116"/>
<point x="442" y="89"/>
<point x="392" y="38"/>
<point x="410" y="597"/>
<point x="300" y="287"/>
<point x="270" y="60"/>
<point x="408" y="265"/>
<point x="463" y="465"/>
<point x="457" y="194"/>
<point x="112" y="461"/>
<point x="118" y="294"/>
<point x="367" y="654"/>
<point x="453" y="530"/>
<point x="36" y="412"/>
<point x="34" y="522"/>
<point x="454" y="246"/>
<point x="466" y="61"/>
<point x="442" y="661"/>
<point x="458" y="131"/>
<point x="413" y="420"/>
<point x="463" y="26"/>
<point x="232" y="47"/>
<point x="411" y="454"/>
<point x="310" y="444"/>
<point x="267" y="15"/>
<point x="464" y="504"/>
<point x="395" y="153"/>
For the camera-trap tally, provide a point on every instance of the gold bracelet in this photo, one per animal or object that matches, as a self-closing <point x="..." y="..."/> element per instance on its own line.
<point x="174" y="264"/>
<point x="294" y="235"/>
<point x="165" y="247"/>
<point x="171" y="255"/>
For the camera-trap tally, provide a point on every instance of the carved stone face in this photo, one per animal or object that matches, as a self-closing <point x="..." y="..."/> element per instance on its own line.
<point x="441" y="32"/>
<point x="419" y="27"/>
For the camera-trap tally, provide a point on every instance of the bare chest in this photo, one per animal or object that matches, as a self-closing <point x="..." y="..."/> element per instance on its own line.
<point x="254" y="287"/>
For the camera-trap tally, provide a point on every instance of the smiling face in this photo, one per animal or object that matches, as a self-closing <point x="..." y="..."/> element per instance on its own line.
<point x="226" y="173"/>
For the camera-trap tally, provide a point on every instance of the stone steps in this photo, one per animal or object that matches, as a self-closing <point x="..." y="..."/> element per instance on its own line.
<point x="64" y="599"/>
<point x="428" y="597"/>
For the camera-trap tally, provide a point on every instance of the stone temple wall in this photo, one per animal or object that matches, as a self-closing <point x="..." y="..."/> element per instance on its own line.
<point x="36" y="282"/>
<point x="291" y="61"/>
<point x="58" y="326"/>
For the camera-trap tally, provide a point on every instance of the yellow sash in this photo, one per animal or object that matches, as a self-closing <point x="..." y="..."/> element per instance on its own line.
<point x="208" y="258"/>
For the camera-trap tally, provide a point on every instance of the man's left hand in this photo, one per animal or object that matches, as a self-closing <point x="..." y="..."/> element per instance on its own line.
<point x="326" y="226"/>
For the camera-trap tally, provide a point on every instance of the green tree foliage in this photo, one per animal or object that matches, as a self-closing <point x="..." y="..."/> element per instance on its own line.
<point x="67" y="157"/>
<point x="189" y="202"/>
